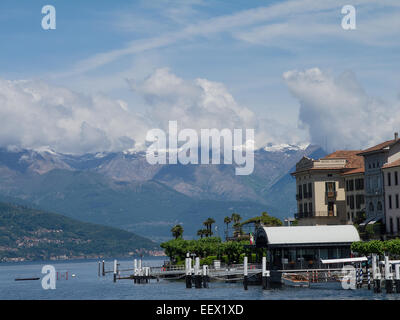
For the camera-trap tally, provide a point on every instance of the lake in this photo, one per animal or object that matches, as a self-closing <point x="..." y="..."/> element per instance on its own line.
<point x="88" y="286"/>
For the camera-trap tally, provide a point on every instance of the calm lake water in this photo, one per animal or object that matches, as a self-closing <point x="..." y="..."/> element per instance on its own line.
<point x="87" y="285"/>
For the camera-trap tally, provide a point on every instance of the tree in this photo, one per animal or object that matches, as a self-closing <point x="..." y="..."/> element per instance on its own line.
<point x="227" y="221"/>
<point x="202" y="232"/>
<point x="264" y="219"/>
<point x="236" y="217"/>
<point x="177" y="231"/>
<point x="237" y="225"/>
<point x="208" y="224"/>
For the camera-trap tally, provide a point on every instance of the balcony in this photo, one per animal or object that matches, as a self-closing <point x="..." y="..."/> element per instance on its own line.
<point x="331" y="195"/>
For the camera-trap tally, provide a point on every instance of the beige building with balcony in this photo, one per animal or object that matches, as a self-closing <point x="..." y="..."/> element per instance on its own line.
<point x="391" y="173"/>
<point x="321" y="188"/>
<point x="355" y="199"/>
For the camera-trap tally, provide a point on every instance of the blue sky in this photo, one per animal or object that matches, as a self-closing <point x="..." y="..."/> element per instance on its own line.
<point x="104" y="47"/>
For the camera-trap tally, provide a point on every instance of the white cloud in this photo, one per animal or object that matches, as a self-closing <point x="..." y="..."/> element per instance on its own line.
<point x="34" y="114"/>
<point x="339" y="112"/>
<point x="203" y="104"/>
<point x="287" y="19"/>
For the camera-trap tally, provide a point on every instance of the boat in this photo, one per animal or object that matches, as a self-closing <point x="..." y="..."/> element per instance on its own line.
<point x="295" y="280"/>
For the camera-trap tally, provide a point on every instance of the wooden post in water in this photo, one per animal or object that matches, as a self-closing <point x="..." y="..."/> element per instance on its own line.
<point x="197" y="275"/>
<point x="115" y="271"/>
<point x="99" y="269"/>
<point x="205" y="276"/>
<point x="376" y="274"/>
<point x="135" y="270"/>
<point x="265" y="274"/>
<point x="397" y="275"/>
<point x="188" y="270"/>
<point x="103" y="268"/>
<point x="245" y="273"/>
<point x="368" y="275"/>
<point x="388" y="276"/>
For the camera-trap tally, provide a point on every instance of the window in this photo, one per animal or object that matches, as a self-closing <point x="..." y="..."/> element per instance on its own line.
<point x="310" y="207"/>
<point x="390" y="202"/>
<point x="359" y="184"/>
<point x="310" y="190"/>
<point x="352" y="202"/>
<point x="300" y="192"/>
<point x="391" y="225"/>
<point x="396" y="178"/>
<point x="389" y="176"/>
<point x="305" y="190"/>
<point x="398" y="225"/>
<point x="351" y="185"/>
<point x="330" y="186"/>
<point x="371" y="207"/>
<point x="397" y="201"/>
<point x="359" y="200"/>
<point x="379" y="206"/>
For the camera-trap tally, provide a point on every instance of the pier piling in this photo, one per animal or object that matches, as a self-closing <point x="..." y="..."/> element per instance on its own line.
<point x="205" y="276"/>
<point x="388" y="276"/>
<point x="265" y="275"/>
<point x="245" y="273"/>
<point x="103" y="268"/>
<point x="197" y="275"/>
<point x="397" y="275"/>
<point x="188" y="271"/>
<point x="115" y="271"/>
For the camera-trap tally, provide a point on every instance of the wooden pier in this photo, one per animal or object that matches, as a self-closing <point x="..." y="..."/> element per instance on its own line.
<point x="382" y="274"/>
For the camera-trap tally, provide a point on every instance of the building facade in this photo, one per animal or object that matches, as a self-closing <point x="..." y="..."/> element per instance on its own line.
<point x="375" y="158"/>
<point x="321" y="188"/>
<point x="355" y="199"/>
<point x="391" y="173"/>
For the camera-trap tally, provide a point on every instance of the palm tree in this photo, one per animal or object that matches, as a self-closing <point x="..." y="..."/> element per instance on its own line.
<point x="236" y="217"/>
<point x="202" y="232"/>
<point x="177" y="231"/>
<point x="208" y="223"/>
<point x="237" y="225"/>
<point x="227" y="220"/>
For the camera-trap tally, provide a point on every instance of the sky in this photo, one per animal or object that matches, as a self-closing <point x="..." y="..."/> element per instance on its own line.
<point x="111" y="71"/>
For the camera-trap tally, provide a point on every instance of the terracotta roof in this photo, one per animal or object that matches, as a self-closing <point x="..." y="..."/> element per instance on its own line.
<point x="354" y="161"/>
<point x="379" y="147"/>
<point x="354" y="171"/>
<point x="392" y="164"/>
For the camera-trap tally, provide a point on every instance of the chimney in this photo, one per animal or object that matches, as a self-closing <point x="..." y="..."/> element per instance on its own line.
<point x="396" y="136"/>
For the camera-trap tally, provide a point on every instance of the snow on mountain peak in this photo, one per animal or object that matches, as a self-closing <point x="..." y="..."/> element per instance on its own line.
<point x="281" y="147"/>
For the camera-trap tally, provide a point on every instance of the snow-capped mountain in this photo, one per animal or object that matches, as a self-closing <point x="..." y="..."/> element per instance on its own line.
<point x="122" y="189"/>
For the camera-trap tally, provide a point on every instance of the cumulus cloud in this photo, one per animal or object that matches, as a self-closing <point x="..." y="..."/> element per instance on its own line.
<point x="200" y="104"/>
<point x="34" y="114"/>
<point x="338" y="111"/>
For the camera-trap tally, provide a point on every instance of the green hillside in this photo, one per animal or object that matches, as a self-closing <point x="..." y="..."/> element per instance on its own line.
<point x="30" y="234"/>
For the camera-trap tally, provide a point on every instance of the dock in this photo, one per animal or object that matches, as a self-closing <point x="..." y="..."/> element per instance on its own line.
<point x="383" y="274"/>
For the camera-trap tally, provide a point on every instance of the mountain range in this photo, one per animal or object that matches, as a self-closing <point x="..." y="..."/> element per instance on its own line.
<point x="123" y="190"/>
